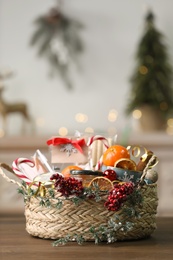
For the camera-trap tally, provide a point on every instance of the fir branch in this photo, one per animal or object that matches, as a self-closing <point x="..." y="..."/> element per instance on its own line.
<point x="62" y="241"/>
<point x="79" y="239"/>
<point x="103" y="233"/>
<point x="135" y="198"/>
<point x="59" y="204"/>
<point x="47" y="203"/>
<point x="76" y="200"/>
<point x="51" y="192"/>
<point x="52" y="27"/>
<point x="20" y="190"/>
<point x="42" y="202"/>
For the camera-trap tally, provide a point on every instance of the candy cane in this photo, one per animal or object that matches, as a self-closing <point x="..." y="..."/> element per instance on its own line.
<point x="99" y="164"/>
<point x="100" y="161"/>
<point x="98" y="137"/>
<point x="96" y="149"/>
<point x="17" y="171"/>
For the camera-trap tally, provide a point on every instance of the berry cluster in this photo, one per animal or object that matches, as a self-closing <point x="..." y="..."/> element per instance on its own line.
<point x="67" y="186"/>
<point x="118" y="195"/>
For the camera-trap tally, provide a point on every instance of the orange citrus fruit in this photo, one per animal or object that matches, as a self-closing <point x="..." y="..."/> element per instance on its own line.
<point x="66" y="170"/>
<point x="104" y="184"/>
<point x="114" y="153"/>
<point x="126" y="164"/>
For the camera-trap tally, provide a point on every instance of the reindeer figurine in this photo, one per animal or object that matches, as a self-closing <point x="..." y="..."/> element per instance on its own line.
<point x="7" y="108"/>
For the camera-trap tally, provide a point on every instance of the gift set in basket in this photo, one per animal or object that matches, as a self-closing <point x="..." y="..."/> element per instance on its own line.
<point x="92" y="190"/>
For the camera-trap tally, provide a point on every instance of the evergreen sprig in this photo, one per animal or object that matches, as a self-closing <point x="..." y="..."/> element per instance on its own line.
<point x="58" y="41"/>
<point x="46" y="200"/>
<point x="103" y="233"/>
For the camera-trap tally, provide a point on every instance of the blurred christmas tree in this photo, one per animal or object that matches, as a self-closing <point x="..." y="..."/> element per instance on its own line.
<point x="151" y="82"/>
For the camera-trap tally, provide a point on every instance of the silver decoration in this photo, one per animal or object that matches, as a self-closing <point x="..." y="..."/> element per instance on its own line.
<point x="127" y="178"/>
<point x="69" y="149"/>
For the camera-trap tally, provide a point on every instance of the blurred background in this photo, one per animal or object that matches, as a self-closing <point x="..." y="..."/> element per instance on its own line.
<point x="67" y="65"/>
<point x="110" y="34"/>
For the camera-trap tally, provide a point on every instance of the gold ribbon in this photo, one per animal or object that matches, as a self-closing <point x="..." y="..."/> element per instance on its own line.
<point x="137" y="151"/>
<point x="41" y="189"/>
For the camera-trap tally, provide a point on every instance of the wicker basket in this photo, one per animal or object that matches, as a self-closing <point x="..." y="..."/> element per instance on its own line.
<point x="54" y="223"/>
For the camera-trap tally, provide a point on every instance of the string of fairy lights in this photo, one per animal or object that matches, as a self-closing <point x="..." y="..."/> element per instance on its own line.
<point x="112" y="116"/>
<point x="83" y="118"/>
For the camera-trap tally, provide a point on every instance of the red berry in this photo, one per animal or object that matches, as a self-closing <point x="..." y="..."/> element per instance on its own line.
<point x="110" y="174"/>
<point x="118" y="195"/>
<point x="67" y="187"/>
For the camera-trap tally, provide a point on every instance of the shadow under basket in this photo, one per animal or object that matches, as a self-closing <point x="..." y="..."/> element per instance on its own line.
<point x="55" y="223"/>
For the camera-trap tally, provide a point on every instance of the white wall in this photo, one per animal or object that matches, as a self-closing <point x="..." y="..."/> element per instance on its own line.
<point x="112" y="31"/>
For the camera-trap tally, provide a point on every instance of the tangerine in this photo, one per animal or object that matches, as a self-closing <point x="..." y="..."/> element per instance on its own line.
<point x="66" y="171"/>
<point x="114" y="153"/>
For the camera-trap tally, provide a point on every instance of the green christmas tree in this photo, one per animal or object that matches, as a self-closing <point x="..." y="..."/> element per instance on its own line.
<point x="151" y="82"/>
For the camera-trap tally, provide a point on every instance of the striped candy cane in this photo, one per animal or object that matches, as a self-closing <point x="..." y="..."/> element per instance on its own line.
<point x="107" y="143"/>
<point x="96" y="150"/>
<point x="96" y="138"/>
<point x="16" y="168"/>
<point x="99" y="164"/>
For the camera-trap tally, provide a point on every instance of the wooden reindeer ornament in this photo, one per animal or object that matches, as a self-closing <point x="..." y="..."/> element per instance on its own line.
<point x="7" y="108"/>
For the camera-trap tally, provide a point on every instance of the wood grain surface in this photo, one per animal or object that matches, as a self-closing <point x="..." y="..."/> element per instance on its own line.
<point x="16" y="243"/>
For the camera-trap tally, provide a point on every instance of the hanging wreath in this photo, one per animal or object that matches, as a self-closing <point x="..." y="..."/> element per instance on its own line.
<point x="58" y="41"/>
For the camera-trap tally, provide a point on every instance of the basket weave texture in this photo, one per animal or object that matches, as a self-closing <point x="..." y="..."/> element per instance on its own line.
<point x="55" y="223"/>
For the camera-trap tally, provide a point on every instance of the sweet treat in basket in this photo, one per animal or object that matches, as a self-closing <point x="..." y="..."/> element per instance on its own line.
<point x="77" y="149"/>
<point x="68" y="150"/>
<point x="112" y="199"/>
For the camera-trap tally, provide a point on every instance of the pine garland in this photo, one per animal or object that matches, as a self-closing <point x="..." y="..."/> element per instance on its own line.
<point x="58" y="41"/>
<point x="100" y="234"/>
<point x="103" y="233"/>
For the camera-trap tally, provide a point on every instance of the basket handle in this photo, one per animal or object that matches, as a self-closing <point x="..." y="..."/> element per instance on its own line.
<point x="151" y="163"/>
<point x="9" y="169"/>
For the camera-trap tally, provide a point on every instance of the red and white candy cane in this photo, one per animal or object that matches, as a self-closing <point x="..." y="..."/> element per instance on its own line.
<point x="99" y="164"/>
<point x="107" y="143"/>
<point x="97" y="151"/>
<point x="96" y="138"/>
<point x="17" y="171"/>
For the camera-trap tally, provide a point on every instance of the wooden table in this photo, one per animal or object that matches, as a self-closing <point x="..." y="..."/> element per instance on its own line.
<point x="16" y="243"/>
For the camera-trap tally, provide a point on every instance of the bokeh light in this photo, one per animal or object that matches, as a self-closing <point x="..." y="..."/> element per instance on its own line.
<point x="143" y="70"/>
<point x="137" y="114"/>
<point x="2" y="133"/>
<point x="81" y="118"/>
<point x="170" y="122"/>
<point x="63" y="131"/>
<point x="89" y="130"/>
<point x="112" y="116"/>
<point x="169" y="128"/>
